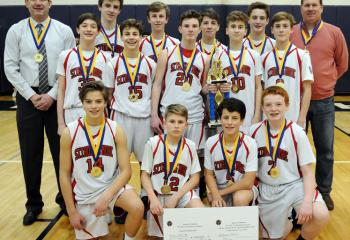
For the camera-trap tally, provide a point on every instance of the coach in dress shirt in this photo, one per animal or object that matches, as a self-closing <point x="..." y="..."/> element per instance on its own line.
<point x="24" y="58"/>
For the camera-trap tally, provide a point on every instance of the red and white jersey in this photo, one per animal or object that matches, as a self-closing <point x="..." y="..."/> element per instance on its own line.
<point x="102" y="44"/>
<point x="251" y="68"/>
<point x="297" y="69"/>
<point x="87" y="188"/>
<point x="206" y="48"/>
<point x="246" y="161"/>
<point x="174" y="78"/>
<point x="256" y="45"/>
<point x="146" y="45"/>
<point x="153" y="163"/>
<point x="117" y="78"/>
<point x="68" y="66"/>
<point x="295" y="152"/>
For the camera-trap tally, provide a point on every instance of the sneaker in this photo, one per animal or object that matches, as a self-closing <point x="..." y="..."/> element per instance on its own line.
<point x="120" y="215"/>
<point x="328" y="200"/>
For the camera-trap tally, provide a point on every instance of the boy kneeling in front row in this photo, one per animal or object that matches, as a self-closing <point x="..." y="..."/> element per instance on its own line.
<point x="170" y="169"/>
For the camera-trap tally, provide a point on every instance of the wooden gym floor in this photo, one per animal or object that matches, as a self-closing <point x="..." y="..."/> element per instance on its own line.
<point x="53" y="225"/>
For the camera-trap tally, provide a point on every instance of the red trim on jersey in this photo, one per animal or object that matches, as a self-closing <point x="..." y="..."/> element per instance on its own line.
<point x="73" y="184"/>
<point x="189" y="149"/>
<point x="256" y="130"/>
<point x="251" y="55"/>
<point x="112" y="114"/>
<point x="202" y="134"/>
<point x="116" y="67"/>
<point x="245" y="145"/>
<point x="65" y="70"/>
<point x="103" y="55"/>
<point x="171" y="40"/>
<point x="143" y="42"/>
<point x="296" y="149"/>
<point x="264" y="60"/>
<point x="159" y="140"/>
<point x="149" y="65"/>
<point x="268" y="235"/>
<point x="316" y="194"/>
<point x="191" y="196"/>
<point x="202" y="77"/>
<point x="76" y="130"/>
<point x="215" y="144"/>
<point x="110" y="128"/>
<point x="155" y="216"/>
<point x="300" y="79"/>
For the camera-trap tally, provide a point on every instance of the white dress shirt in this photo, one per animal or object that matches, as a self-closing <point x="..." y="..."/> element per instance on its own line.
<point x="20" y="68"/>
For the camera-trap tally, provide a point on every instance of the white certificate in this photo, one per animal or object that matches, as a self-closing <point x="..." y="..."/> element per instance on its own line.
<point x="225" y="223"/>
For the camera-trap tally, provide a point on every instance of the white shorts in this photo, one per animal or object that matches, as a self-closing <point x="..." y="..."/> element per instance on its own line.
<point x="196" y="133"/>
<point x="96" y="226"/>
<point x="137" y="130"/>
<point x="276" y="203"/>
<point x="73" y="114"/>
<point x="155" y="222"/>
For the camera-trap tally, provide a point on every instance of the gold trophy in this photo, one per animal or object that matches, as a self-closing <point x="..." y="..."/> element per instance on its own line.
<point x="216" y="75"/>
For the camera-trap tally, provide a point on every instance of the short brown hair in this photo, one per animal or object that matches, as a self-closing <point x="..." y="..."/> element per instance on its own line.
<point x="237" y="16"/>
<point x="100" y="2"/>
<point x="90" y="16"/>
<point x="190" y="14"/>
<point x="259" y="5"/>
<point x="176" y="109"/>
<point x="128" y="23"/>
<point x="157" y="6"/>
<point x="280" y="16"/>
<point x="210" y="13"/>
<point x="92" y="87"/>
<point x="275" y="90"/>
<point x="302" y="2"/>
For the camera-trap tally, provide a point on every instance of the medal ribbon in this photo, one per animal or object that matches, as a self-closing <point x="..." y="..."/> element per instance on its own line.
<point x="95" y="149"/>
<point x="276" y="149"/>
<point x="170" y="167"/>
<point x="305" y="35"/>
<point x="262" y="45"/>
<point x="212" y="51"/>
<point x="39" y="41"/>
<point x="280" y="63"/>
<point x="132" y="75"/>
<point x="236" y="68"/>
<point x="109" y="44"/>
<point x="154" y="46"/>
<point x="86" y="71"/>
<point x="230" y="161"/>
<point x="190" y="61"/>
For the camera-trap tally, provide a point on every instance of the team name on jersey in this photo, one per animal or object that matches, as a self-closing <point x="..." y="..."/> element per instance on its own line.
<point x="177" y="67"/>
<point x="245" y="69"/>
<point x="104" y="47"/>
<point x="159" y="168"/>
<point x="288" y="71"/>
<point x="221" y="165"/>
<point x="124" y="78"/>
<point x="85" y="152"/>
<point x="263" y="152"/>
<point x="75" y="72"/>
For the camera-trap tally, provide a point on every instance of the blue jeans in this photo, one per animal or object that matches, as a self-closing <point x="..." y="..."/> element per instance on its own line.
<point x="321" y="116"/>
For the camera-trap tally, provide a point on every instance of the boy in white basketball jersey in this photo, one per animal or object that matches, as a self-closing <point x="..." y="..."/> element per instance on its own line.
<point x="170" y="169"/>
<point x="210" y="25"/>
<point x="243" y="68"/>
<point x="95" y="169"/>
<point x="76" y="67"/>
<point x="259" y="14"/>
<point x="109" y="39"/>
<point x="289" y="66"/>
<point x="285" y="172"/>
<point x="130" y="76"/>
<point x="158" y="14"/>
<point x="231" y="159"/>
<point x="182" y="71"/>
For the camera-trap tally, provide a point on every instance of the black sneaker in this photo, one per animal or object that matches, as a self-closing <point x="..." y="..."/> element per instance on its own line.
<point x="119" y="215"/>
<point x="31" y="216"/>
<point x="328" y="200"/>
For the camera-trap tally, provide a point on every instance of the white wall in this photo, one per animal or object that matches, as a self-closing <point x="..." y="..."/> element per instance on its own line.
<point x="181" y="2"/>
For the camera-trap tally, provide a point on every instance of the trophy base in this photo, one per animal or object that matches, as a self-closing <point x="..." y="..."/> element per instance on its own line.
<point x="214" y="123"/>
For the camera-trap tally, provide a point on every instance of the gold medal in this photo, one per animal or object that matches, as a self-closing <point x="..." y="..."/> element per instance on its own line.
<point x="165" y="189"/>
<point x="132" y="97"/>
<point x="186" y="86"/>
<point x="96" y="172"/>
<point x="235" y="88"/>
<point x="274" y="172"/>
<point x="38" y="57"/>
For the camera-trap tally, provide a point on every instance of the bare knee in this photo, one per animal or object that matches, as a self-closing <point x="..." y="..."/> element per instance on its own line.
<point x="242" y="198"/>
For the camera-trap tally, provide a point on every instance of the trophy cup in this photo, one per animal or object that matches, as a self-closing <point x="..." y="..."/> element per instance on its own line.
<point x="216" y="75"/>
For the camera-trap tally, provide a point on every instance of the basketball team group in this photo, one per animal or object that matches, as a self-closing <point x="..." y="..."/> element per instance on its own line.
<point x="114" y="91"/>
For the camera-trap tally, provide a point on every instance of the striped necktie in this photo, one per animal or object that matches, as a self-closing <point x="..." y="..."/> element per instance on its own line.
<point x="43" y="66"/>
